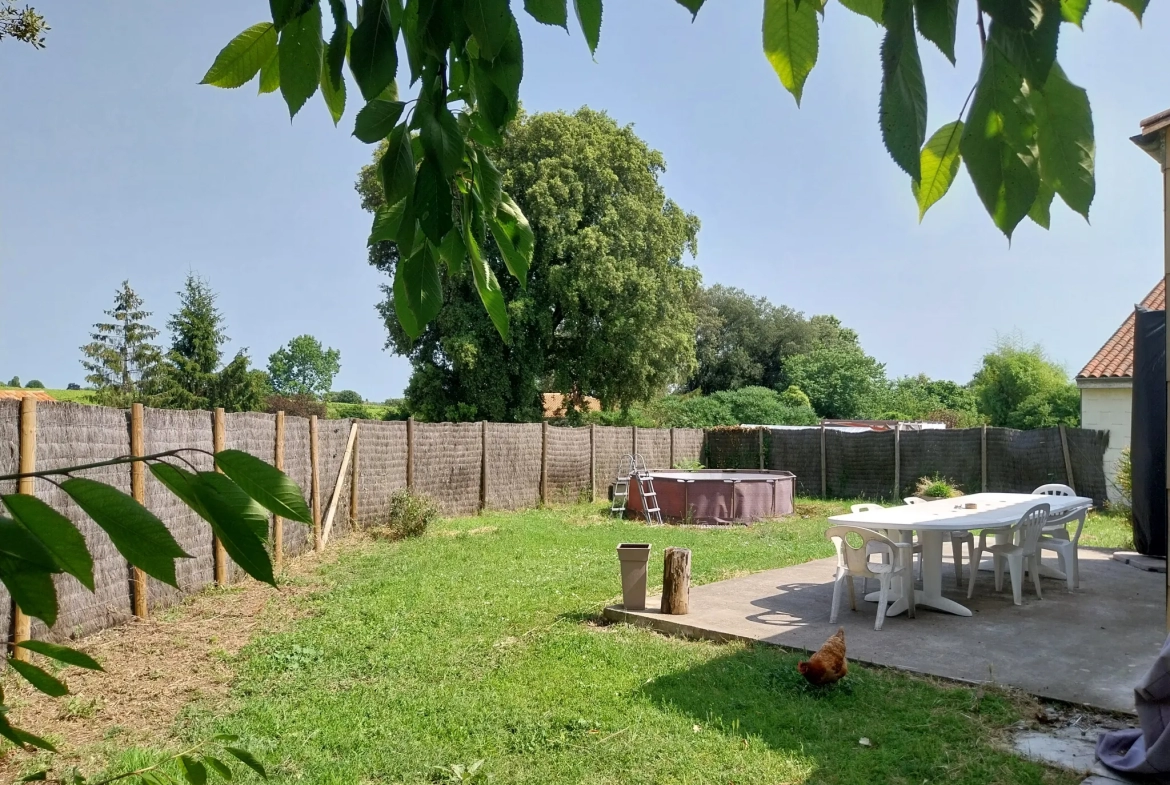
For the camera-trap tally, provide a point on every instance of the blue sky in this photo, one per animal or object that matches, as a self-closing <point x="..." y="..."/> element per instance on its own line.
<point x="117" y="164"/>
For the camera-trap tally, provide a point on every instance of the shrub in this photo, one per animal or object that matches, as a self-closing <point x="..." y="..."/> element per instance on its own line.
<point x="73" y="386"/>
<point x="795" y="397"/>
<point x="295" y="405"/>
<point x="688" y="465"/>
<point x="1124" y="476"/>
<point x="352" y="411"/>
<point x="954" y="418"/>
<point x="937" y="486"/>
<point x="344" y="396"/>
<point x="396" y="410"/>
<point x="35" y="384"/>
<point x="409" y="516"/>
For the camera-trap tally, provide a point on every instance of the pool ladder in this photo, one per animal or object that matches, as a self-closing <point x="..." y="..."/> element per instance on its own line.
<point x="634" y="467"/>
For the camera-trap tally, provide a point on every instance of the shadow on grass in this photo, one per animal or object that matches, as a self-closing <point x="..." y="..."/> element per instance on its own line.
<point x="874" y="726"/>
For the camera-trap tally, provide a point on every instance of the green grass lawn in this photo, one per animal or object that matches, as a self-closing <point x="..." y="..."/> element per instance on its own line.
<point x="483" y="641"/>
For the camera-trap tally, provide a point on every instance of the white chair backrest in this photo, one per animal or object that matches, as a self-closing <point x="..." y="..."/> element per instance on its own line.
<point x="865" y="507"/>
<point x="856" y="559"/>
<point x="912" y="500"/>
<point x="1055" y="489"/>
<point x="1030" y="525"/>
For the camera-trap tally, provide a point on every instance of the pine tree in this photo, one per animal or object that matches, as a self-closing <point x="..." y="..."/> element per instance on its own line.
<point x="121" y="361"/>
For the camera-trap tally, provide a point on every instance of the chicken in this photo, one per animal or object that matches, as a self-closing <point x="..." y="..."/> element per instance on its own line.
<point x="828" y="665"/>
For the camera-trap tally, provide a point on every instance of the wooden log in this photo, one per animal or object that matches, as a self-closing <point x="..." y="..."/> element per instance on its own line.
<point x="21" y="623"/>
<point x="138" y="584"/>
<point x="676" y="581"/>
<point x="315" y="483"/>
<point x="277" y="521"/>
<point x="350" y="444"/>
<point x="218" y="438"/>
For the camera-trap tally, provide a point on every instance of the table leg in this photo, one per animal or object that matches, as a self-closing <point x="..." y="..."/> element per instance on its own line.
<point x="931" y="594"/>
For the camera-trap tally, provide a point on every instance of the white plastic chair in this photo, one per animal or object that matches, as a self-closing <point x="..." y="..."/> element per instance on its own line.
<point x="1056" y="537"/>
<point x="870" y="508"/>
<point x="855" y="561"/>
<point x="958" y="539"/>
<point x="1020" y="551"/>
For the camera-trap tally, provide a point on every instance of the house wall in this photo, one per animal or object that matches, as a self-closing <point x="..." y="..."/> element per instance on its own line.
<point x="1109" y="409"/>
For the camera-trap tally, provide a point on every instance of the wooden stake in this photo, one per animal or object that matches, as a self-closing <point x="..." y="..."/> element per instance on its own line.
<point x="277" y="521"/>
<point x="350" y="444"/>
<point x="592" y="463"/>
<point x="138" y="584"/>
<point x="218" y="437"/>
<point x="483" y="453"/>
<point x="824" y="471"/>
<point x="410" y="452"/>
<point x="544" y="463"/>
<point x="676" y="581"/>
<point x="897" y="460"/>
<point x="1068" y="472"/>
<point x="983" y="457"/>
<point x="21" y="623"/>
<point x="315" y="483"/>
<point x="353" y="478"/>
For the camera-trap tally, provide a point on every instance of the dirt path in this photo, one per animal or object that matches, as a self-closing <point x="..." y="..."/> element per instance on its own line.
<point x="154" y="669"/>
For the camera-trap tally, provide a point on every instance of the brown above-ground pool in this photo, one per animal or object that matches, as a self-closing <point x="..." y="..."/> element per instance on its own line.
<point x="719" y="496"/>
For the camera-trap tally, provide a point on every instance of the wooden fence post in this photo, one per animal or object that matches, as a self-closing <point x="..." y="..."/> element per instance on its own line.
<point x="315" y="482"/>
<point x="983" y="457"/>
<point x="218" y="437"/>
<point x="277" y="521"/>
<point x="824" y="472"/>
<point x="1068" y="471"/>
<point x="483" y="453"/>
<point x="676" y="581"/>
<point x="544" y="463"/>
<point x="347" y="456"/>
<point x="592" y="463"/>
<point x="672" y="448"/>
<point x="760" y="435"/>
<point x="353" y="479"/>
<point x="633" y="440"/>
<point x="410" y="451"/>
<point x="21" y="623"/>
<point x="897" y="460"/>
<point x="138" y="584"/>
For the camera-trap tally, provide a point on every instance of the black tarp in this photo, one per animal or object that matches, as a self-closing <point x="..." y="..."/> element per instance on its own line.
<point x="1148" y="435"/>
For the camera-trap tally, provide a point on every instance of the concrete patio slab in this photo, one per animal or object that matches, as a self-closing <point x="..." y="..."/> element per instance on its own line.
<point x="1088" y="647"/>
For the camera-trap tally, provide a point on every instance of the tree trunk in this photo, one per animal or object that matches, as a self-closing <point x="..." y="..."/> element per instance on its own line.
<point x="676" y="581"/>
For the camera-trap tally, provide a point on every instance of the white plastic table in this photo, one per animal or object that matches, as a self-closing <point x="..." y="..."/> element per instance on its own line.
<point x="932" y="521"/>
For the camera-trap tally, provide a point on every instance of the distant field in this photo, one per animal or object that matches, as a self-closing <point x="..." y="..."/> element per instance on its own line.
<point x="341" y="411"/>
<point x="76" y="396"/>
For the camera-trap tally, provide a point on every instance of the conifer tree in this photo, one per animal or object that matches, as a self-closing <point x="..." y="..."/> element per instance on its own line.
<point x="121" y="361"/>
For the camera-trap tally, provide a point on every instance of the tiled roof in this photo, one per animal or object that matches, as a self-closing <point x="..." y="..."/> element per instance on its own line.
<point x="11" y="395"/>
<point x="1115" y="359"/>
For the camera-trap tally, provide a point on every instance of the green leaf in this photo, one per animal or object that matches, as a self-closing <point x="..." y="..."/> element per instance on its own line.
<point x="56" y="533"/>
<point x="420" y="283"/>
<point x="248" y="759"/>
<point x="238" y="521"/>
<point x="220" y="767"/>
<point x="300" y="50"/>
<point x="691" y="5"/>
<point x="396" y="166"/>
<point x="902" y="110"/>
<point x="179" y="482"/>
<point x="269" y="486"/>
<point x="20" y="737"/>
<point x="62" y="654"/>
<point x="39" y="776"/>
<point x="332" y="77"/>
<point x="549" y="12"/>
<point x="38" y="678"/>
<point x="868" y="8"/>
<point x="589" y="17"/>
<point x="284" y="11"/>
<point x="1065" y="136"/>
<point x="387" y="221"/>
<point x="135" y="531"/>
<point x="1041" y="209"/>
<point x="410" y="323"/>
<point x="489" y="21"/>
<point x="1021" y="14"/>
<point x="1032" y="52"/>
<point x="334" y="97"/>
<point x="270" y="75"/>
<point x="373" y="53"/>
<point x="18" y="543"/>
<point x="242" y="58"/>
<point x="791" y="40"/>
<point x="489" y="182"/>
<point x="31" y="588"/>
<point x="432" y="201"/>
<point x="515" y="239"/>
<point x="452" y="251"/>
<point x="441" y="137"/>
<point x="1074" y="11"/>
<point x="937" y="20"/>
<point x="153" y="778"/>
<point x="487" y="285"/>
<point x="998" y="143"/>
<point x="497" y="83"/>
<point x="1137" y="7"/>
<point x="194" y="771"/>
<point x="939" y="165"/>
<point x="377" y="119"/>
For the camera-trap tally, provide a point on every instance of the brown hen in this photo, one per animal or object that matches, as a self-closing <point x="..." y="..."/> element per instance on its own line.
<point x="828" y="664"/>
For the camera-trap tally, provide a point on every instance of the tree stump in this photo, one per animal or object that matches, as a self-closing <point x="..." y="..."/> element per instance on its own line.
<point x="676" y="581"/>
